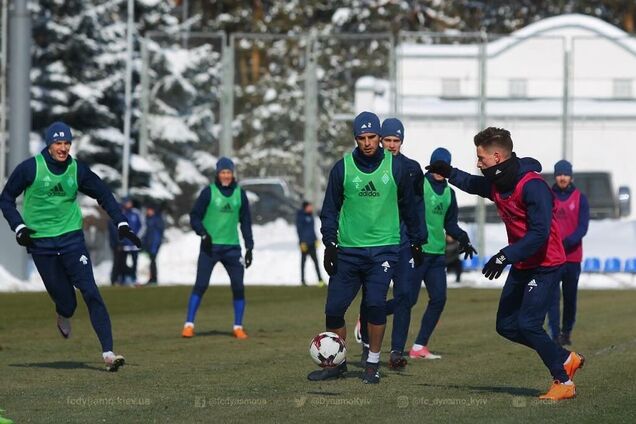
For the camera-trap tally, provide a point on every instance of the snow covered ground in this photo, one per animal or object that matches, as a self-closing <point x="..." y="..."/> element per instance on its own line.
<point x="277" y="259"/>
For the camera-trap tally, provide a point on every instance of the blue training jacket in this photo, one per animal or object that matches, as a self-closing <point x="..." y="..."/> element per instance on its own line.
<point x="201" y="205"/>
<point x="537" y="197"/>
<point x="88" y="183"/>
<point x="306" y="227"/>
<point x="407" y="202"/>
<point x="153" y="234"/>
<point x="584" y="216"/>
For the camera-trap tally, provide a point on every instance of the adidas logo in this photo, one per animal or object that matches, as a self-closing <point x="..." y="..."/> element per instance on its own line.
<point x="357" y="179"/>
<point x="399" y="131"/>
<point x="226" y="208"/>
<point x="438" y="209"/>
<point x="57" y="190"/>
<point x="369" y="190"/>
<point x="532" y="284"/>
<point x="365" y="126"/>
<point x="59" y="134"/>
<point x="46" y="178"/>
<point x="498" y="171"/>
<point x="83" y="259"/>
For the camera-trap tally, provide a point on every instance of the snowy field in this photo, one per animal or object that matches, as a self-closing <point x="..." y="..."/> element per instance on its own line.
<point x="277" y="259"/>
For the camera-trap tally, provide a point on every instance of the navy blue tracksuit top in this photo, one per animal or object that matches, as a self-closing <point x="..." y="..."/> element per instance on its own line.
<point x="575" y="238"/>
<point x="407" y="202"/>
<point x="88" y="183"/>
<point x="201" y="205"/>
<point x="537" y="197"/>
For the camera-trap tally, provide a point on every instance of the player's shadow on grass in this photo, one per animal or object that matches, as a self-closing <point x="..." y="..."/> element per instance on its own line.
<point x="59" y="365"/>
<point x="215" y="333"/>
<point x="515" y="391"/>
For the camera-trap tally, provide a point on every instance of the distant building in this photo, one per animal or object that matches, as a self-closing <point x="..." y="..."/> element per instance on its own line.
<point x="438" y="94"/>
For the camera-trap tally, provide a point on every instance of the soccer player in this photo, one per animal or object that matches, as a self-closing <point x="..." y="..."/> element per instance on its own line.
<point x="215" y="217"/>
<point x="525" y="204"/>
<point x="573" y="216"/>
<point x="367" y="193"/>
<point x="392" y="137"/>
<point x="440" y="209"/>
<point x="152" y="239"/>
<point x="305" y="227"/>
<point x="133" y="216"/>
<point x="50" y="227"/>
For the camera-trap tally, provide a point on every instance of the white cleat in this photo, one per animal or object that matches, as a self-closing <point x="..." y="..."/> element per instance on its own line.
<point x="113" y="362"/>
<point x="64" y="326"/>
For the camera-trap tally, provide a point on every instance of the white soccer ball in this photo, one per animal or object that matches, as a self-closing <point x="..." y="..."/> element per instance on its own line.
<point x="327" y="349"/>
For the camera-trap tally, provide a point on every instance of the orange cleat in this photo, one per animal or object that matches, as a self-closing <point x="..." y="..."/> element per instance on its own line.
<point x="188" y="331"/>
<point x="560" y="391"/>
<point x="574" y="362"/>
<point x="239" y="333"/>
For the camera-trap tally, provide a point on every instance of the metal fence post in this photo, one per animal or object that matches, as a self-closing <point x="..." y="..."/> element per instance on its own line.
<point x="480" y="212"/>
<point x="145" y="101"/>
<point x="128" y="100"/>
<point x="311" y="116"/>
<point x="226" y="147"/>
<point x="14" y="257"/>
<point x="565" y="119"/>
<point x="3" y="95"/>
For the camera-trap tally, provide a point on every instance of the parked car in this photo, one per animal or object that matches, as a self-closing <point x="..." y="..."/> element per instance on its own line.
<point x="271" y="198"/>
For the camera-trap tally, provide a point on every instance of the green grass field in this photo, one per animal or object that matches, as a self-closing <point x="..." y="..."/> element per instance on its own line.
<point x="215" y="378"/>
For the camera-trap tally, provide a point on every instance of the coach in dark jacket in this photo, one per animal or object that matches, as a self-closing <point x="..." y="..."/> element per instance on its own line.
<point x="306" y="229"/>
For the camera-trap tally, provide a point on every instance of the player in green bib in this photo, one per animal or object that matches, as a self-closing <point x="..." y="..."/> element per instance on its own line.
<point x="50" y="227"/>
<point x="218" y="212"/>
<point x="440" y="209"/>
<point x="367" y="193"/>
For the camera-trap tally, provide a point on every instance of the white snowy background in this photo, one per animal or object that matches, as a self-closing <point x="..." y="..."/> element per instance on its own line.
<point x="277" y="259"/>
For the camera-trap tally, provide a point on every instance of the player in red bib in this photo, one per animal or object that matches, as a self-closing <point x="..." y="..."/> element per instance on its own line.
<point x="573" y="216"/>
<point x="526" y="206"/>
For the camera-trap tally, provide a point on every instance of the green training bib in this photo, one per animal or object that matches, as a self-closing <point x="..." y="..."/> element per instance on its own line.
<point x="50" y="203"/>
<point x="369" y="215"/>
<point x="222" y="216"/>
<point x="435" y="207"/>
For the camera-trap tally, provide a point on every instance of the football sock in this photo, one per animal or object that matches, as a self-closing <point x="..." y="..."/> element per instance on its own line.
<point x="239" y="309"/>
<point x="374" y="357"/>
<point x="568" y="383"/>
<point x="417" y="346"/>
<point x="193" y="305"/>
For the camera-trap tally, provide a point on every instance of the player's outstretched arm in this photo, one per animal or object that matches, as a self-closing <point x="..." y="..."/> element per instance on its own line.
<point x="473" y="184"/>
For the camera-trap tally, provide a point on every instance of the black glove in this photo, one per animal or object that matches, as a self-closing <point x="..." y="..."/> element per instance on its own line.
<point x="206" y="242"/>
<point x="248" y="258"/>
<point x="416" y="254"/>
<point x="125" y="232"/>
<point x="467" y="249"/>
<point x="23" y="237"/>
<point x="440" y="167"/>
<point x="495" y="266"/>
<point x="331" y="258"/>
